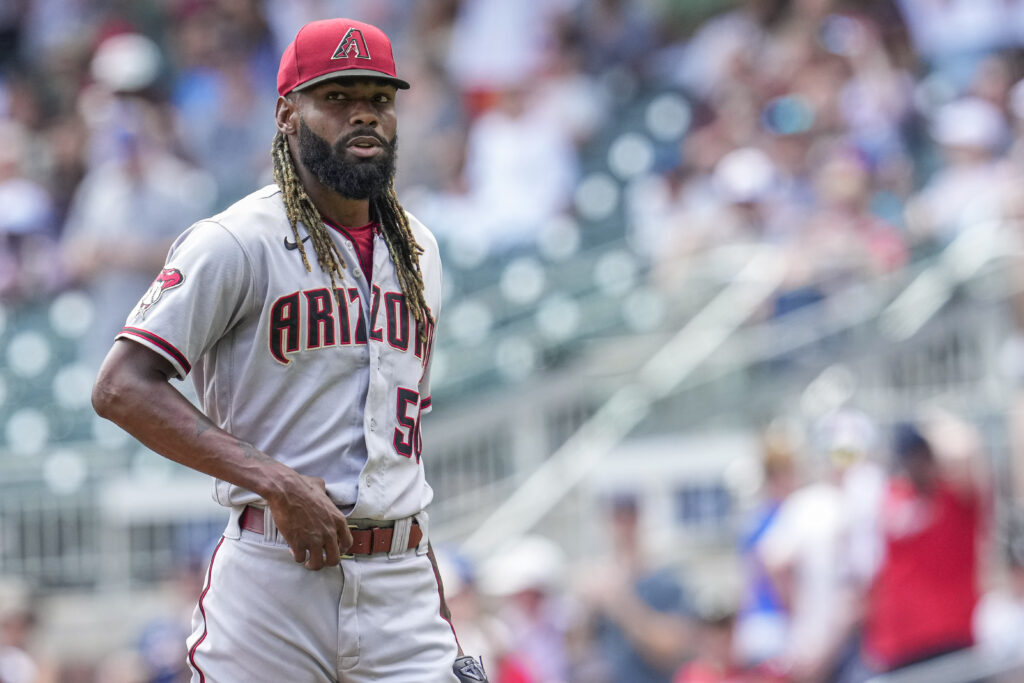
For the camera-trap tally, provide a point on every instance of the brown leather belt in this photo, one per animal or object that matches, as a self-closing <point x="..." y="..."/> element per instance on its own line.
<point x="364" y="541"/>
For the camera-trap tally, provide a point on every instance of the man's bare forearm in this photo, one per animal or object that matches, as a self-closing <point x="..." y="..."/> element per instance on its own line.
<point x="133" y="391"/>
<point x="136" y="395"/>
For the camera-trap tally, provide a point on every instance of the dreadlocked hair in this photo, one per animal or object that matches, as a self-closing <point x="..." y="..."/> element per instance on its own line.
<point x="389" y="214"/>
<point x="299" y="207"/>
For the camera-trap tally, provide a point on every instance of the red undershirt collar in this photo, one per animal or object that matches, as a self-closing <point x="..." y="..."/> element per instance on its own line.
<point x="362" y="239"/>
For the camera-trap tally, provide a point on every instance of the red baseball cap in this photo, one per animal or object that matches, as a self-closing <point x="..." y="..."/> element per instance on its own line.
<point x="332" y="48"/>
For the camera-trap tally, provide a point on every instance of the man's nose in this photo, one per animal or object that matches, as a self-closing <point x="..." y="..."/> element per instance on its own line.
<point x="363" y="114"/>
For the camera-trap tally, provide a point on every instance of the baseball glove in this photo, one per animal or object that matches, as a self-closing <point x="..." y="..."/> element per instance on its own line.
<point x="469" y="670"/>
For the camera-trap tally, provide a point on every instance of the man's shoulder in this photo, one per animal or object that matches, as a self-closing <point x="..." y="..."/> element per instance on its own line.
<point x="250" y="215"/>
<point x="242" y="225"/>
<point x="422" y="233"/>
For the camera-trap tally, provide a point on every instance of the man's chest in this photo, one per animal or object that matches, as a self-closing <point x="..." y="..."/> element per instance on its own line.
<point x="302" y="316"/>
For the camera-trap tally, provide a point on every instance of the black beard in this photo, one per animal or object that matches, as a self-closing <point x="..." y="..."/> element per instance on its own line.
<point x="352" y="179"/>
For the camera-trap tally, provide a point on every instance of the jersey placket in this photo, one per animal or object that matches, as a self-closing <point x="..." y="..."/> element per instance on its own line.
<point x="371" y="479"/>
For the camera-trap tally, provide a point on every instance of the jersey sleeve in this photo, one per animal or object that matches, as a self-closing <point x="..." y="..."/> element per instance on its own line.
<point x="202" y="292"/>
<point x="426" y="402"/>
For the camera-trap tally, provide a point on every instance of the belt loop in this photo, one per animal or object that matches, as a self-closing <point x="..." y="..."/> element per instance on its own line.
<point x="234" y="528"/>
<point x="270" y="532"/>
<point x="423" y="520"/>
<point x="400" y="538"/>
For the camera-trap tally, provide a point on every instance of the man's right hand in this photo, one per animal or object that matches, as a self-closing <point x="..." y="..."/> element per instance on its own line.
<point x="133" y="391"/>
<point x="315" y="529"/>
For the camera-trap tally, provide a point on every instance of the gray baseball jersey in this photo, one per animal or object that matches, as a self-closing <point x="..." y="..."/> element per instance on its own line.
<point x="332" y="385"/>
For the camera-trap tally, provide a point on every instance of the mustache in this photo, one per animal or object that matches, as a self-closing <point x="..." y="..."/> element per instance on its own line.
<point x="365" y="132"/>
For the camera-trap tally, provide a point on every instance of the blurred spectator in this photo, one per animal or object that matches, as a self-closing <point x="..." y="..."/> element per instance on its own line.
<point x="1012" y="203"/>
<point x="851" y="440"/>
<point x="527" y="578"/>
<point x="137" y="195"/>
<point x="934" y="513"/>
<point x="159" y="652"/>
<point x="875" y="102"/>
<point x="748" y="205"/>
<point x="743" y="182"/>
<point x="512" y="154"/>
<point x="993" y="80"/>
<point x="126" y="85"/>
<point x="814" y="551"/>
<point x="48" y="26"/>
<point x="566" y="96"/>
<point x="999" y="616"/>
<point x="496" y="45"/>
<point x="724" y="49"/>
<point x="11" y="18"/>
<point x="27" y="223"/>
<point x="661" y="208"/>
<point x="226" y="71"/>
<point x="478" y="629"/>
<point x="953" y="36"/>
<point x="65" y="162"/>
<point x="966" y="190"/>
<point x="641" y="613"/>
<point x="162" y="652"/>
<point x="715" y="660"/>
<point x="616" y="34"/>
<point x="124" y="217"/>
<point x="760" y="629"/>
<point x="842" y="240"/>
<point x="433" y="136"/>
<point x="17" y="624"/>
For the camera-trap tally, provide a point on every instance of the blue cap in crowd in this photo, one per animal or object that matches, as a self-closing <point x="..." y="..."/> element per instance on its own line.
<point x="908" y="441"/>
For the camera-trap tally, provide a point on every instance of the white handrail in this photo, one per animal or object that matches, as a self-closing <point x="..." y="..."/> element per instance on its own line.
<point x="672" y="364"/>
<point x="676" y="362"/>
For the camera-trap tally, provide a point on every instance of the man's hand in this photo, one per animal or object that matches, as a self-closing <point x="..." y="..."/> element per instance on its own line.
<point x="133" y="391"/>
<point x="315" y="529"/>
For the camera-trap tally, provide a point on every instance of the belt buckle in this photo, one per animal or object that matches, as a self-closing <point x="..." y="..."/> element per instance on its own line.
<point x="350" y="556"/>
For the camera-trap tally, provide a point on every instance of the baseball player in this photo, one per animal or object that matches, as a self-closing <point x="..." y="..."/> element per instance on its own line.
<point x="305" y="314"/>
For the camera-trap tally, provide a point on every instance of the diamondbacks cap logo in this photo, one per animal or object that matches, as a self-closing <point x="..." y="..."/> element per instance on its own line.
<point x="352" y="46"/>
<point x="169" y="278"/>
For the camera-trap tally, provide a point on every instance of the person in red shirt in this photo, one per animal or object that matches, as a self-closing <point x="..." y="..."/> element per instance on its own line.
<point x="925" y="592"/>
<point x="715" y="661"/>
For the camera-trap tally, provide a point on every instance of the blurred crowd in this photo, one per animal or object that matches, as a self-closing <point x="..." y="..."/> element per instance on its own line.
<point x="864" y="551"/>
<point x="854" y="136"/>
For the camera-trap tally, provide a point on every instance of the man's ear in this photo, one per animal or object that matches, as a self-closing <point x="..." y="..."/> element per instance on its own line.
<point x="287" y="116"/>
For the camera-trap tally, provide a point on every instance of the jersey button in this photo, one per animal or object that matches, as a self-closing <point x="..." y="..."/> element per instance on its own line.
<point x="373" y="423"/>
<point x="357" y="272"/>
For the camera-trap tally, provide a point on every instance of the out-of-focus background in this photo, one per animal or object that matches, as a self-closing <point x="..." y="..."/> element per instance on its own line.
<point x="706" y="262"/>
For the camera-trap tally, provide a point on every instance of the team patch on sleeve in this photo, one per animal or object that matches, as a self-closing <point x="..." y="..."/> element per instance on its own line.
<point x="169" y="278"/>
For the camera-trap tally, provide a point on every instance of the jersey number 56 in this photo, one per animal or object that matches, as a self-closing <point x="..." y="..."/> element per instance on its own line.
<point x="408" y="438"/>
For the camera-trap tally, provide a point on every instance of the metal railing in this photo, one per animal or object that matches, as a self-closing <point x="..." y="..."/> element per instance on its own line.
<point x="501" y="462"/>
<point x="903" y="342"/>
